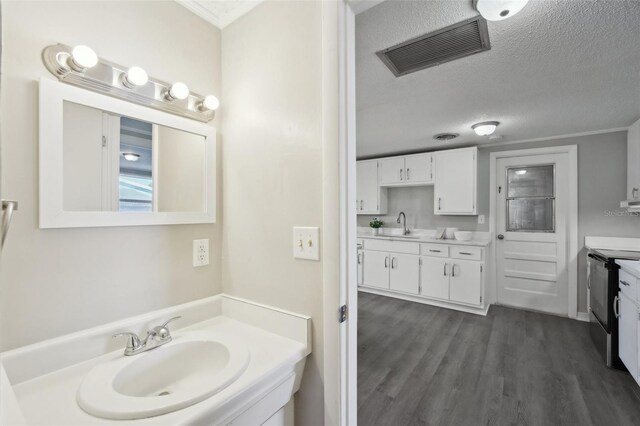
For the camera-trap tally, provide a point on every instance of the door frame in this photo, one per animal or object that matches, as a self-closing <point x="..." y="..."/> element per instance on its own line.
<point x="572" y="215"/>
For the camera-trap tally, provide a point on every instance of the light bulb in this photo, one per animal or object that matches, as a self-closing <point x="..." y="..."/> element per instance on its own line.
<point x="497" y="10"/>
<point x="177" y="91"/>
<point x="209" y="103"/>
<point x="131" y="156"/>
<point x="82" y="57"/>
<point x="485" y="128"/>
<point x="521" y="172"/>
<point x="135" y="76"/>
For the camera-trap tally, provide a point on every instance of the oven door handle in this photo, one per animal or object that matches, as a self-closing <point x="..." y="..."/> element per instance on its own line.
<point x="616" y="301"/>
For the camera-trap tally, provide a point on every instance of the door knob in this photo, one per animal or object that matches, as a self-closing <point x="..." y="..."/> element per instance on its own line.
<point x="500" y="237"/>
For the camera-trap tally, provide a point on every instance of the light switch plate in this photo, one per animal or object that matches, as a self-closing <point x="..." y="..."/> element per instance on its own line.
<point x="200" y="252"/>
<point x="306" y="242"/>
<point x="480" y="219"/>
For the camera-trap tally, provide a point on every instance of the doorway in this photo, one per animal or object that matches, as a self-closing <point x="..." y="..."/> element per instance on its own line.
<point x="534" y="218"/>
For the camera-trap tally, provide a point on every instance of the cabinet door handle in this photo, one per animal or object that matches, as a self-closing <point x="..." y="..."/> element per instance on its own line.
<point x="615" y="306"/>
<point x="439" y="203"/>
<point x="400" y="174"/>
<point x="634" y="193"/>
<point x="453" y="270"/>
<point x="435" y="251"/>
<point x="393" y="262"/>
<point x="359" y="258"/>
<point x="623" y="282"/>
<point x="467" y="253"/>
<point x="444" y="270"/>
<point x="408" y="177"/>
<point x="386" y="262"/>
<point x="360" y="204"/>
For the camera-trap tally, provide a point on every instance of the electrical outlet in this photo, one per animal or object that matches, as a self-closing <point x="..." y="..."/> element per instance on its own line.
<point x="481" y="219"/>
<point x="200" y="252"/>
<point x="306" y="242"/>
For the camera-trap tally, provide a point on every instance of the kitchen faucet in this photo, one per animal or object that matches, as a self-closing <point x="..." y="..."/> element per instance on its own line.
<point x="157" y="336"/>
<point x="405" y="231"/>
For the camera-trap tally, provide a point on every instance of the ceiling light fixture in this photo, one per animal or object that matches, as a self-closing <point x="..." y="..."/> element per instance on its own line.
<point x="135" y="76"/>
<point x="497" y="10"/>
<point x="521" y="172"/>
<point x="485" y="128"/>
<point x="209" y="103"/>
<point x="82" y="57"/>
<point x="131" y="156"/>
<point x="178" y="91"/>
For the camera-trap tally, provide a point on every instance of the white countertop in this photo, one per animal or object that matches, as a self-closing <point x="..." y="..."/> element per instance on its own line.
<point x="480" y="239"/>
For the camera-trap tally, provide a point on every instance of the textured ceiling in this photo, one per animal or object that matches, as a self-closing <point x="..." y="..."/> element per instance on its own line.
<point x="556" y="68"/>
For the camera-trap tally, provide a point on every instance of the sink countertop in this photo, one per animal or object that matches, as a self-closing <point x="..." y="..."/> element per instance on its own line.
<point x="51" y="398"/>
<point x="427" y="238"/>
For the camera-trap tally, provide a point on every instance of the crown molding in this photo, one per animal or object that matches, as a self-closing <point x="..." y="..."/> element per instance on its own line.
<point x="234" y="10"/>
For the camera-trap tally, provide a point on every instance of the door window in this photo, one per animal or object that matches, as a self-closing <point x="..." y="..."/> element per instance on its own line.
<point x="531" y="199"/>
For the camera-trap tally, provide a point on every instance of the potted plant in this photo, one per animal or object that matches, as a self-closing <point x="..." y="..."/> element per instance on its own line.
<point x="375" y="225"/>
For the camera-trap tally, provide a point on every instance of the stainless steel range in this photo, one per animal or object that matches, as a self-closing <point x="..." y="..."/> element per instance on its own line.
<point x="603" y="291"/>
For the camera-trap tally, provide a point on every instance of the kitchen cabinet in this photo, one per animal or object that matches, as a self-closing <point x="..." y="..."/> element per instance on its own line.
<point x="633" y="162"/>
<point x="360" y="266"/>
<point x="464" y="282"/>
<point x="434" y="277"/>
<point x="376" y="269"/>
<point x="408" y="170"/>
<point x="455" y="182"/>
<point x="404" y="274"/>
<point x="371" y="199"/>
<point x="628" y="333"/>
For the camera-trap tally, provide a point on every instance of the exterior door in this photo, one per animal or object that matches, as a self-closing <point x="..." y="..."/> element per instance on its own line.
<point x="531" y="225"/>
<point x="465" y="281"/>
<point x="405" y="273"/>
<point x="434" y="278"/>
<point x="376" y="269"/>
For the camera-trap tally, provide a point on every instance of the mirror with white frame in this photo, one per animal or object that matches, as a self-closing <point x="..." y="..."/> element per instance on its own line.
<point x="108" y="162"/>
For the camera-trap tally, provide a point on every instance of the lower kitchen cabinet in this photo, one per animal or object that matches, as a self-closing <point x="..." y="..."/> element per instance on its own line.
<point x="628" y="333"/>
<point x="404" y="274"/>
<point x="434" y="277"/>
<point x="376" y="269"/>
<point x="464" y="282"/>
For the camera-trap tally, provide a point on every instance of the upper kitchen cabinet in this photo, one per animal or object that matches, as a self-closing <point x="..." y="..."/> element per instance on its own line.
<point x="371" y="199"/>
<point x="407" y="170"/>
<point x="456" y="183"/>
<point x="633" y="167"/>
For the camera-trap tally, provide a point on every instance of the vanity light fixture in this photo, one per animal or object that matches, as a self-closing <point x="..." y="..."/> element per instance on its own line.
<point x="82" y="57"/>
<point x="209" y="103"/>
<point x="497" y="10"/>
<point x="131" y="156"/>
<point x="485" y="128"/>
<point x="134" y="77"/>
<point x="178" y="91"/>
<point x="81" y="67"/>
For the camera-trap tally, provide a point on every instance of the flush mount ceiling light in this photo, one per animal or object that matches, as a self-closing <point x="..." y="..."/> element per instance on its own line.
<point x="209" y="103"/>
<point x="82" y="58"/>
<point x="485" y="128"/>
<point x="178" y="91"/>
<point x="134" y="77"/>
<point x="497" y="10"/>
<point x="131" y="156"/>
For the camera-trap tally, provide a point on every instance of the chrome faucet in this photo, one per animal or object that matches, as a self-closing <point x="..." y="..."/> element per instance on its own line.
<point x="405" y="230"/>
<point x="157" y="336"/>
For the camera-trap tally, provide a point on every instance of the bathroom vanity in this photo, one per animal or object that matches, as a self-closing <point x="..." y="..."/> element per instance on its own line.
<point x="252" y="355"/>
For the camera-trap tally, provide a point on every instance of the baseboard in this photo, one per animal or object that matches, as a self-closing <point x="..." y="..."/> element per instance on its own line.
<point x="583" y="316"/>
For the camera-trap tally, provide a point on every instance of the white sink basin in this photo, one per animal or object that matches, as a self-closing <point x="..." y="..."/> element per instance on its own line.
<point x="191" y="368"/>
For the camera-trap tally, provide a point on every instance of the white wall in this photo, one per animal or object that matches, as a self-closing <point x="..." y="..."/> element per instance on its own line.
<point x="56" y="281"/>
<point x="273" y="167"/>
<point x="602" y="168"/>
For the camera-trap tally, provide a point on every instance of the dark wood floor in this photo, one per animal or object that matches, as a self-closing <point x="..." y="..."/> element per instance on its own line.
<point x="422" y="365"/>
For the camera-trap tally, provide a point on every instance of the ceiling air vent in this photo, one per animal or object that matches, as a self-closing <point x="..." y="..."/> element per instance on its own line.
<point x="453" y="42"/>
<point x="445" y="136"/>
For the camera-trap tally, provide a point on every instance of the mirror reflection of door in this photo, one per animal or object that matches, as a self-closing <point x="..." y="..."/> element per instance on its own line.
<point x="118" y="163"/>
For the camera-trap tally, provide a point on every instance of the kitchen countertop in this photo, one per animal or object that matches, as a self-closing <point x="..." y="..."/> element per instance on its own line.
<point x="481" y="239"/>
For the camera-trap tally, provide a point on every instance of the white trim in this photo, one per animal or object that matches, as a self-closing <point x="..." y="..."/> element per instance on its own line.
<point x="583" y="316"/>
<point x="52" y="214"/>
<point x="557" y="137"/>
<point x="572" y="213"/>
<point x="219" y="21"/>
<point x="612" y="243"/>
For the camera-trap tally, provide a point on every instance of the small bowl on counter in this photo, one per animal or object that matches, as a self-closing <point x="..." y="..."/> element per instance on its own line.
<point x="463" y="235"/>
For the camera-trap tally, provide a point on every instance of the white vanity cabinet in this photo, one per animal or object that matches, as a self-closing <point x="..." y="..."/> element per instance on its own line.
<point x="434" y="273"/>
<point x="371" y="199"/>
<point x="455" y="183"/>
<point x="407" y="170"/>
